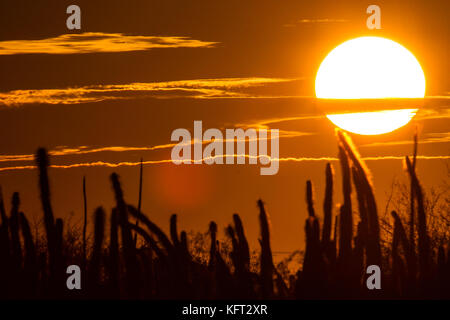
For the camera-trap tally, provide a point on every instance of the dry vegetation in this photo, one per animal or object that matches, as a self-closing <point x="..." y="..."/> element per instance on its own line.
<point x="131" y="257"/>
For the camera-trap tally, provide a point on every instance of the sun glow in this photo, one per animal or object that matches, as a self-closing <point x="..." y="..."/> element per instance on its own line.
<point x="370" y="68"/>
<point x="370" y="123"/>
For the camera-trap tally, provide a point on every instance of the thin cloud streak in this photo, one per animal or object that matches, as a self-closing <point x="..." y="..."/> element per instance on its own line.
<point x="153" y="162"/>
<point x="307" y="21"/>
<point x="321" y="20"/>
<point x="197" y="88"/>
<point x="433" y="114"/>
<point x="440" y="137"/>
<point x="94" y="42"/>
<point x="264" y="124"/>
<point x="83" y="150"/>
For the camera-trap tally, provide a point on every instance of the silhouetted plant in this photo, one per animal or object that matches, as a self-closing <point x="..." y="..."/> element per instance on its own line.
<point x="327" y="207"/>
<point x="424" y="246"/>
<point x="95" y="261"/>
<point x="30" y="266"/>
<point x="84" y="222"/>
<point x="129" y="249"/>
<point x="173" y="266"/>
<point x="267" y="268"/>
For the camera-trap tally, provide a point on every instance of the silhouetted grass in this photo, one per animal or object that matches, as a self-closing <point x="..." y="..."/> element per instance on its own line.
<point x="166" y="266"/>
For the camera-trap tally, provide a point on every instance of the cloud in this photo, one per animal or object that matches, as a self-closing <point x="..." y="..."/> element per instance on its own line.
<point x="93" y="42"/>
<point x="156" y="162"/>
<point x="440" y="137"/>
<point x="264" y="124"/>
<point x="325" y="20"/>
<point x="85" y="150"/>
<point x="198" y="88"/>
<point x="320" y="20"/>
<point x="442" y="112"/>
<point x="82" y="150"/>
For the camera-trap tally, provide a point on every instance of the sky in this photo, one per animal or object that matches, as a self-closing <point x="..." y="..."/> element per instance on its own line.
<point x="103" y="97"/>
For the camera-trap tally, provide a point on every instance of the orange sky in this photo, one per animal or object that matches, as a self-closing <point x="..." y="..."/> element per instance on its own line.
<point x="114" y="91"/>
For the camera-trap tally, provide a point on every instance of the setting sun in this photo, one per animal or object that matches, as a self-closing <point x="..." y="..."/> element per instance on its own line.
<point x="370" y="68"/>
<point x="370" y="123"/>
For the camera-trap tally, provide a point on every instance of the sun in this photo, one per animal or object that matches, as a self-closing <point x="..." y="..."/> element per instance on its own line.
<point x="372" y="68"/>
